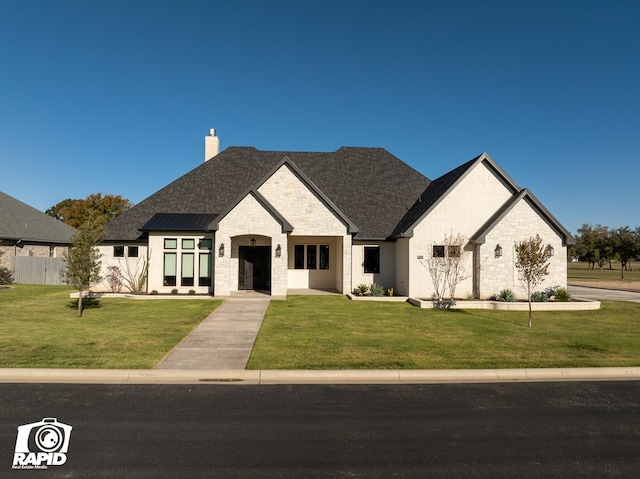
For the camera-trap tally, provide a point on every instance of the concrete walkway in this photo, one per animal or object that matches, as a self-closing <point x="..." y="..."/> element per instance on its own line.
<point x="600" y="294"/>
<point x="224" y="340"/>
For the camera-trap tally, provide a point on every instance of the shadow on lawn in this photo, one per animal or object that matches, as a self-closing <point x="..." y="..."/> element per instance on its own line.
<point x="87" y="303"/>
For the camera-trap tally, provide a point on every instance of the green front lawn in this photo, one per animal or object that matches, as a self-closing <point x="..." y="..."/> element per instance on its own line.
<point x="331" y="332"/>
<point x="39" y="328"/>
<point x="581" y="271"/>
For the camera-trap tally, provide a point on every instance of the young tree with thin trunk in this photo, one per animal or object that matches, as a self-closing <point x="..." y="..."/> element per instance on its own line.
<point x="532" y="262"/>
<point x="83" y="258"/>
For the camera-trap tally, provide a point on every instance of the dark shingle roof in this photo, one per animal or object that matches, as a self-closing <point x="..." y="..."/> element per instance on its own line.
<point x="370" y="186"/>
<point x="19" y="221"/>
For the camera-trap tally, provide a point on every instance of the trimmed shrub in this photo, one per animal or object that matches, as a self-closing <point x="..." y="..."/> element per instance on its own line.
<point x="507" y="296"/>
<point x="562" y="295"/>
<point x="376" y="290"/>
<point x="539" y="297"/>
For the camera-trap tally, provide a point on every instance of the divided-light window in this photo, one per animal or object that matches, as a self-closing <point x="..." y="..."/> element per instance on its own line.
<point x="311" y="256"/>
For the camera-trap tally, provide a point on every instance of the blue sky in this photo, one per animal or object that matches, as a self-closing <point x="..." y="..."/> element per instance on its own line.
<point x="117" y="96"/>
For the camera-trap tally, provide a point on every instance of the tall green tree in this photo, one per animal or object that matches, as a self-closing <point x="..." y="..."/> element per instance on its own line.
<point x="76" y="212"/>
<point x="83" y="258"/>
<point x="532" y="263"/>
<point x="626" y="245"/>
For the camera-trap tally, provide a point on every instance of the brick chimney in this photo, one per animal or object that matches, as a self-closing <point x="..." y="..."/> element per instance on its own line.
<point x="211" y="145"/>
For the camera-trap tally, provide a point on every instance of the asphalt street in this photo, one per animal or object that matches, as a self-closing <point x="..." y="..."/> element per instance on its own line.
<point x="524" y="430"/>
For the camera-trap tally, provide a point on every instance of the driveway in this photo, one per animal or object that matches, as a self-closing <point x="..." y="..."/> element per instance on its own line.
<point x="599" y="294"/>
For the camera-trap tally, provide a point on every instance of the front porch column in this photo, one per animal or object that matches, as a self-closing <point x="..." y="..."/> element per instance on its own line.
<point x="222" y="266"/>
<point x="347" y="245"/>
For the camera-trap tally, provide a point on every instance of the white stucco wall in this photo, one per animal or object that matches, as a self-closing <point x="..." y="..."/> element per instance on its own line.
<point x="401" y="287"/>
<point x="128" y="266"/>
<point x="316" y="278"/>
<point x="463" y="211"/>
<point x="521" y="223"/>
<point x="387" y="275"/>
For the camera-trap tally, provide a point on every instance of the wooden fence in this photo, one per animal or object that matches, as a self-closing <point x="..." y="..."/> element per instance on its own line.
<point x="37" y="270"/>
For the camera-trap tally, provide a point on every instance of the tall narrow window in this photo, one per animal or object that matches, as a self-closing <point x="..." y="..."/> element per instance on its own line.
<point x="371" y="259"/>
<point x="298" y="254"/>
<point x="312" y="253"/>
<point x="186" y="278"/>
<point x="204" y="268"/>
<point x="324" y="256"/>
<point x="170" y="260"/>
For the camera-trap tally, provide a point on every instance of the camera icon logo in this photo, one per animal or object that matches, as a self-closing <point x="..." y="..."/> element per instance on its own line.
<point x="42" y="444"/>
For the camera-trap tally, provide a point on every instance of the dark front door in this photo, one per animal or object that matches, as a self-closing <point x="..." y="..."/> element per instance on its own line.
<point x="254" y="270"/>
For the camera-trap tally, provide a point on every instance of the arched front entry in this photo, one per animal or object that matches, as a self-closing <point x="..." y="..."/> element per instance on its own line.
<point x="254" y="262"/>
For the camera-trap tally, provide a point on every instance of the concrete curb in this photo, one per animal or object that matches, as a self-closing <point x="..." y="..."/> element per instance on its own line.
<point x="265" y="377"/>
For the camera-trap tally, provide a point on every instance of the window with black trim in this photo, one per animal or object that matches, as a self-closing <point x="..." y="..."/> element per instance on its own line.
<point x="372" y="259"/>
<point x="132" y="251"/>
<point x="204" y="267"/>
<point x="438" y="251"/>
<point x="205" y="243"/>
<point x="118" y="251"/>
<point x="298" y="254"/>
<point x="170" y="268"/>
<point x="312" y="255"/>
<point x="324" y="256"/>
<point x="186" y="278"/>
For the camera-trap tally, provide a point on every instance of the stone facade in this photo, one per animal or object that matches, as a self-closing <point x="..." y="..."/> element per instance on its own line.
<point x="249" y="220"/>
<point x="521" y="223"/>
<point x="30" y="249"/>
<point x="463" y="211"/>
<point x="303" y="241"/>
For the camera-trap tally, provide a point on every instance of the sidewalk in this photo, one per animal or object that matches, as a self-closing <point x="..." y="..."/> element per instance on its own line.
<point x="224" y="339"/>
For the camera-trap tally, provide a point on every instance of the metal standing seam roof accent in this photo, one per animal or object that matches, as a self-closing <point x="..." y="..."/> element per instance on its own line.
<point x="178" y="222"/>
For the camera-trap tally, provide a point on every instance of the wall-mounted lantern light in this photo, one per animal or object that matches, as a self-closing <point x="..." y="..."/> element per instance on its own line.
<point x="278" y="251"/>
<point x="253" y="242"/>
<point x="549" y="251"/>
<point x="221" y="250"/>
<point x="498" y="251"/>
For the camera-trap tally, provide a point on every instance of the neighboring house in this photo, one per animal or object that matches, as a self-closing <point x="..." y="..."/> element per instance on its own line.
<point x="27" y="232"/>
<point x="275" y="220"/>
